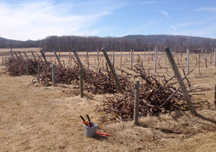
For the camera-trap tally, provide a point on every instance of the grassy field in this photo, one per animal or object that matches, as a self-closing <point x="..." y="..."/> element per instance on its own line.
<point x="39" y="118"/>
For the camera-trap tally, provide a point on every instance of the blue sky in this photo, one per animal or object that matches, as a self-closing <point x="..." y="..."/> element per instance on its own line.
<point x="37" y="19"/>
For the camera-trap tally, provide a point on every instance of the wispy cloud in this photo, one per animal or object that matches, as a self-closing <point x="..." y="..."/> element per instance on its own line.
<point x="36" y="20"/>
<point x="149" y="2"/>
<point x="209" y="31"/>
<point x="164" y="13"/>
<point x="206" y="9"/>
<point x="174" y="28"/>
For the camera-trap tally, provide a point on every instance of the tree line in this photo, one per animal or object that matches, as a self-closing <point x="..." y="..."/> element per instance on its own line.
<point x="132" y="42"/>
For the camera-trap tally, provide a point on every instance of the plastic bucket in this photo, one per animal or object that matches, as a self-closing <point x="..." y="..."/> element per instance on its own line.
<point x="90" y="131"/>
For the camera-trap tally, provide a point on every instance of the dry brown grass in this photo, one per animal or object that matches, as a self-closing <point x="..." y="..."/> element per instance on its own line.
<point x="38" y="118"/>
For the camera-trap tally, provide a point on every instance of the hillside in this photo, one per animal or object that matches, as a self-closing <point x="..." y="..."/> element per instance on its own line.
<point x="174" y="38"/>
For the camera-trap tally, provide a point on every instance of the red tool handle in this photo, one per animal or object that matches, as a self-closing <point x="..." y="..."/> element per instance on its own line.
<point x="100" y="133"/>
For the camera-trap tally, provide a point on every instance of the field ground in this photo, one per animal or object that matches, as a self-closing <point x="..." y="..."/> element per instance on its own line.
<point x="38" y="118"/>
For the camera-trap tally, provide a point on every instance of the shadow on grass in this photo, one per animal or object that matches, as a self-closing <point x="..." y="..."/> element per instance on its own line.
<point x="207" y="119"/>
<point x="99" y="137"/>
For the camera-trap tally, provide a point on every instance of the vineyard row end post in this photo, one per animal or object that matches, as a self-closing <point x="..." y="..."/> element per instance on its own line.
<point x="112" y="70"/>
<point x="180" y="80"/>
<point x="80" y="63"/>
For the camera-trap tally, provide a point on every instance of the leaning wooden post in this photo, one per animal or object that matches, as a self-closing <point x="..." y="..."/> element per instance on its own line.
<point x="80" y="63"/>
<point x="188" y="60"/>
<point x="81" y="83"/>
<point x="44" y="57"/>
<point x="136" y="102"/>
<point x="15" y="54"/>
<point x="156" y="55"/>
<point x="26" y="55"/>
<point x="33" y="55"/>
<point x="20" y="55"/>
<point x="112" y="70"/>
<point x="27" y="67"/>
<point x="57" y="57"/>
<point x="148" y="55"/>
<point x="53" y="75"/>
<point x="180" y="81"/>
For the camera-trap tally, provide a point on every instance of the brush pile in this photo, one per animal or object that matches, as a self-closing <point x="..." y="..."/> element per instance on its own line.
<point x="102" y="81"/>
<point x="17" y="66"/>
<point x="63" y="75"/>
<point x="155" y="97"/>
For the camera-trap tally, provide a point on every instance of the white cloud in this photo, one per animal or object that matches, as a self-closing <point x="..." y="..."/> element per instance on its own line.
<point x="174" y="28"/>
<point x="164" y="13"/>
<point x="36" y="20"/>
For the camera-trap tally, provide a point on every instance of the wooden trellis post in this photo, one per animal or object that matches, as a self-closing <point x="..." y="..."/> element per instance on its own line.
<point x="215" y="95"/>
<point x="165" y="59"/>
<point x="188" y="60"/>
<point x="59" y="54"/>
<point x="81" y="83"/>
<point x="215" y="57"/>
<point x="113" y="58"/>
<point x="206" y="58"/>
<point x="38" y="70"/>
<point x="2" y="60"/>
<point x="25" y="55"/>
<point x="199" y="63"/>
<point x="87" y="56"/>
<point x="80" y="63"/>
<point x="27" y="67"/>
<point x="20" y="55"/>
<point x="180" y="80"/>
<point x="132" y="58"/>
<point x="136" y="103"/>
<point x="57" y="57"/>
<point x="15" y="54"/>
<point x="112" y="70"/>
<point x="156" y="56"/>
<point x="33" y="55"/>
<point x="98" y="57"/>
<point x="44" y="57"/>
<point x="53" y="75"/>
<point x="12" y="56"/>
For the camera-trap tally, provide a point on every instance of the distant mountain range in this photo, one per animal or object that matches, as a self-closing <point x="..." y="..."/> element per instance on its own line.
<point x="4" y="39"/>
<point x="169" y="40"/>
